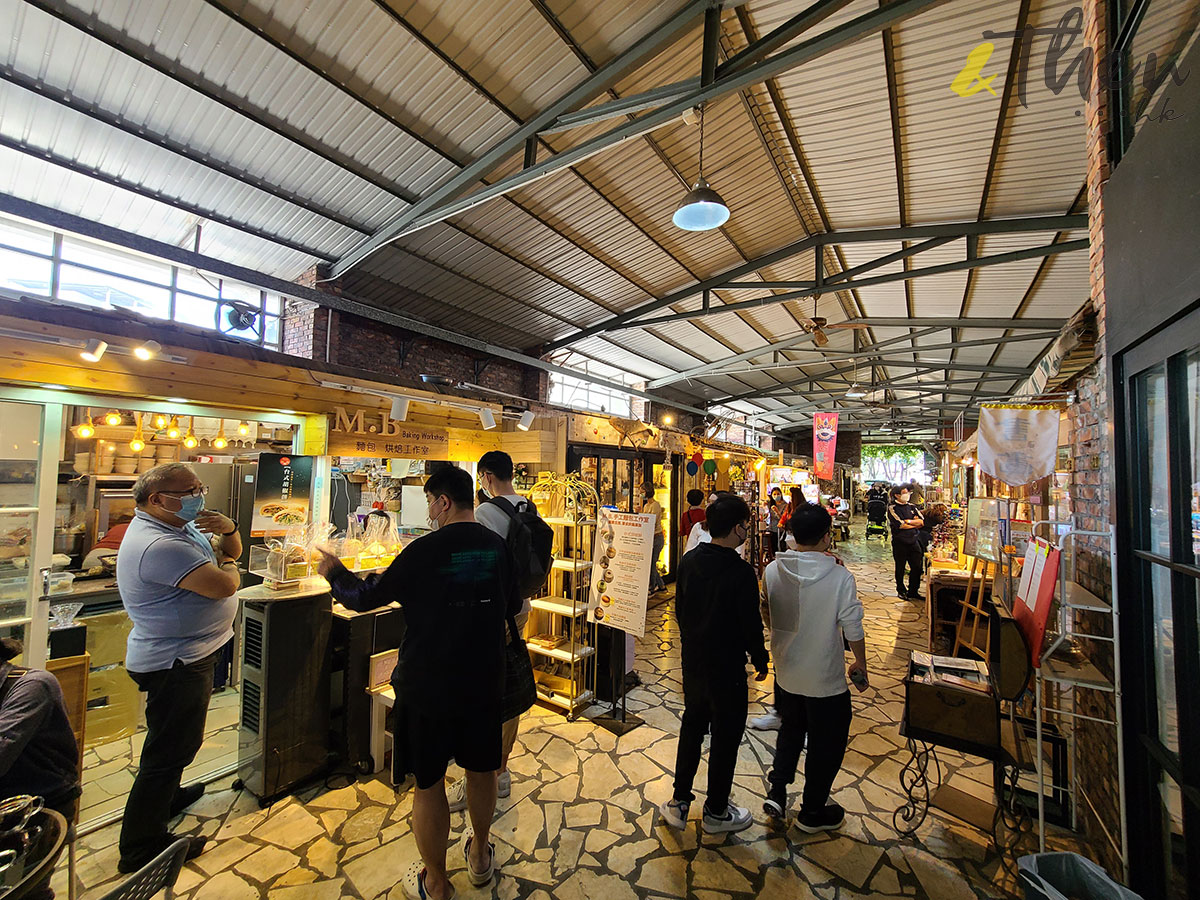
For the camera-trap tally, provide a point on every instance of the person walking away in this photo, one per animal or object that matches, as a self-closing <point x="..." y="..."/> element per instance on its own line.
<point x="716" y="605"/>
<point x="651" y="507"/>
<point x="502" y="509"/>
<point x="38" y="753"/>
<point x="178" y="578"/>
<point x="457" y="588"/>
<point x="693" y="514"/>
<point x="906" y="521"/>
<point x="811" y="603"/>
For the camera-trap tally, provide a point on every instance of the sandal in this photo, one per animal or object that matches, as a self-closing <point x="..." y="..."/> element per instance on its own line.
<point x="479" y="879"/>
<point x="414" y="883"/>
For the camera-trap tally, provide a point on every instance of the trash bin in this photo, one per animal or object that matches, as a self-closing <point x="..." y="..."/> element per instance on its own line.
<point x="1067" y="876"/>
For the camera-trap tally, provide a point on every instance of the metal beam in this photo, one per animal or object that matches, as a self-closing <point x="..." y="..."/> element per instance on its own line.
<point x="867" y="235"/>
<point x="957" y="266"/>
<point x="772" y="41"/>
<point x="622" y="106"/>
<point x="595" y="84"/>
<point x="441" y="203"/>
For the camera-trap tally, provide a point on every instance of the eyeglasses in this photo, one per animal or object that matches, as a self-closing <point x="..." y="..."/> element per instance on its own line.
<point x="194" y="492"/>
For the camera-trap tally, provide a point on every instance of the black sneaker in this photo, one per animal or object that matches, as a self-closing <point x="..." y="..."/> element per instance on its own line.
<point x="902" y="593"/>
<point x="916" y="596"/>
<point x="828" y="819"/>
<point x="125" y="865"/>
<point x="775" y="805"/>
<point x="185" y="797"/>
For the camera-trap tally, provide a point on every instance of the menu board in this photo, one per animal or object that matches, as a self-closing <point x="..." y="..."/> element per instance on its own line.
<point x="621" y="571"/>
<point x="282" y="493"/>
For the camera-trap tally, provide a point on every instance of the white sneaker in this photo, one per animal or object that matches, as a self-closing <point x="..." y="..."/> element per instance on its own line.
<point x="769" y="721"/>
<point x="504" y="784"/>
<point x="736" y="818"/>
<point x="457" y="795"/>
<point x="675" y="812"/>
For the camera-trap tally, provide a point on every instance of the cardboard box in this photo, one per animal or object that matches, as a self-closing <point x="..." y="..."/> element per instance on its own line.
<point x="114" y="706"/>
<point x="106" y="637"/>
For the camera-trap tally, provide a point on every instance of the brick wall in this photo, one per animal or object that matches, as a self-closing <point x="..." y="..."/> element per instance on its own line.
<point x="1091" y="488"/>
<point x="395" y="354"/>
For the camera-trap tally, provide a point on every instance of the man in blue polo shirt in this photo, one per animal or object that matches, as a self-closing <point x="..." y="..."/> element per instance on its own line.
<point x="177" y="574"/>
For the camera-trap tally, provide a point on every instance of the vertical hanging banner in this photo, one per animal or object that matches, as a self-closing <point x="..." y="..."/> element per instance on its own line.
<point x="824" y="444"/>
<point x="1018" y="444"/>
<point x="621" y="571"/>
<point x="282" y="493"/>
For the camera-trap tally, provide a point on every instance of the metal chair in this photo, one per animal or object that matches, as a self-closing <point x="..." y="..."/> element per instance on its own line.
<point x="158" y="874"/>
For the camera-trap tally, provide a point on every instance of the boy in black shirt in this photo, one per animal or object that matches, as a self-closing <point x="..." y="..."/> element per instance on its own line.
<point x="457" y="589"/>
<point x="716" y="603"/>
<point x="906" y="521"/>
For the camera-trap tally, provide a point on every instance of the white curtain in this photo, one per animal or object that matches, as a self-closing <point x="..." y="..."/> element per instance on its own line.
<point x="1018" y="444"/>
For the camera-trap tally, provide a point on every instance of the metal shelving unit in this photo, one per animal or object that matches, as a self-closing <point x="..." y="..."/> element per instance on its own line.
<point x="569" y="505"/>
<point x="1065" y="678"/>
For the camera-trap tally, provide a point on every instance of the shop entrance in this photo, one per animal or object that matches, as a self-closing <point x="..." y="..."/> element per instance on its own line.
<point x="1160" y="587"/>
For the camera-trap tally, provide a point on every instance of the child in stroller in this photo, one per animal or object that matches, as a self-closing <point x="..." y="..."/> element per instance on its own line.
<point x="877" y="519"/>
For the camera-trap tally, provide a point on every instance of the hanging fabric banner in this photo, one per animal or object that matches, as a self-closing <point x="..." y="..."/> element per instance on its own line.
<point x="1018" y="444"/>
<point x="824" y="444"/>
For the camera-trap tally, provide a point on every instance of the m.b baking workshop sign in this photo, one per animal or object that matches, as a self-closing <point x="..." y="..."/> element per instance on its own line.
<point x="373" y="433"/>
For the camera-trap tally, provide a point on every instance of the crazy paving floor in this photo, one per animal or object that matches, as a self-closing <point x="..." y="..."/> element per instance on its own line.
<point x="582" y="819"/>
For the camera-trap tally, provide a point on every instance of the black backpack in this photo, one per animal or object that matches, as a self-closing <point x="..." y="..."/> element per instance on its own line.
<point x="531" y="543"/>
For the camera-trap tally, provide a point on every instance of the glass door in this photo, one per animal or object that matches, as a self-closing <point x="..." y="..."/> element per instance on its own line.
<point x="1161" y="578"/>
<point x="29" y="440"/>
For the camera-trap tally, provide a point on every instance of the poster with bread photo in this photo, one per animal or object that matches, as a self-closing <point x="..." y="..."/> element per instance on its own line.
<point x="282" y="493"/>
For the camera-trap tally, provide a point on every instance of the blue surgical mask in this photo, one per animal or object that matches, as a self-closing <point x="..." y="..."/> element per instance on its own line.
<point x="189" y="507"/>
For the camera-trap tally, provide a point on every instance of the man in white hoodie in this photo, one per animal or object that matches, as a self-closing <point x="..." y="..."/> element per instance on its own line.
<point x="811" y="602"/>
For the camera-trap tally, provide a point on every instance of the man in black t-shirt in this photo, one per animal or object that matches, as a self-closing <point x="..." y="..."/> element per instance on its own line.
<point x="457" y="589"/>
<point x="906" y="520"/>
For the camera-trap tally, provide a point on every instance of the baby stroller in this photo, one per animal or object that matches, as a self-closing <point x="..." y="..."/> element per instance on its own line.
<point x="877" y="519"/>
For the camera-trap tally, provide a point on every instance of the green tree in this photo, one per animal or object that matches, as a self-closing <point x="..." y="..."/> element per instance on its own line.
<point x="889" y="462"/>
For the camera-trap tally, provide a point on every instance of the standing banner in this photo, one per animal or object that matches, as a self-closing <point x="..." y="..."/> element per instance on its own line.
<point x="621" y="571"/>
<point x="1018" y="444"/>
<point x="824" y="444"/>
<point x="1035" y="595"/>
<point x="282" y="493"/>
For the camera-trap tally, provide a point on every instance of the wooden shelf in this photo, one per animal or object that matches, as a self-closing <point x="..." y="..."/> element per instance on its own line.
<point x="571" y="565"/>
<point x="559" y="606"/>
<point x="562" y="655"/>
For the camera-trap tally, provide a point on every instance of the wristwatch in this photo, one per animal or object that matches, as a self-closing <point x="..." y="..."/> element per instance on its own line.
<point x="235" y="528"/>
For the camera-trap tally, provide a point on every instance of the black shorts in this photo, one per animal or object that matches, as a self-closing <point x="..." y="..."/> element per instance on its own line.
<point x="473" y="740"/>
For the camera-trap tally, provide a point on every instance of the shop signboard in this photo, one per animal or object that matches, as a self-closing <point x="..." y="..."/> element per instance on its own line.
<point x="824" y="444"/>
<point x="282" y="493"/>
<point x="621" y="571"/>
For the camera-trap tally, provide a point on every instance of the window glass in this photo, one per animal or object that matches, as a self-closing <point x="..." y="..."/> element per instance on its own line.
<point x="26" y="237"/>
<point x="193" y="283"/>
<point x="1192" y="551"/>
<point x="1173" y="845"/>
<point x="21" y="272"/>
<point x="112" y="292"/>
<point x="271" y="331"/>
<point x="1157" y="491"/>
<point x="231" y="290"/>
<point x="111" y="260"/>
<point x="1164" y="657"/>
<point x="195" y="311"/>
<point x="274" y="304"/>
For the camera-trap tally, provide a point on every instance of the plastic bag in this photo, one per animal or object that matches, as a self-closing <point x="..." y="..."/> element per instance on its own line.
<point x="1067" y="876"/>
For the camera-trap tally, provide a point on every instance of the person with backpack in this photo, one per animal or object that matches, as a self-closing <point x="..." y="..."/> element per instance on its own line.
<point x="530" y="542"/>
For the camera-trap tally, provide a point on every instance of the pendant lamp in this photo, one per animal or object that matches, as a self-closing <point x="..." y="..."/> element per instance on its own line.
<point x="702" y="208"/>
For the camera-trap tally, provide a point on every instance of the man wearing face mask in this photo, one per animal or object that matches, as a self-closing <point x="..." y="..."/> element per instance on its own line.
<point x="178" y="578"/>
<point x="906" y="522"/>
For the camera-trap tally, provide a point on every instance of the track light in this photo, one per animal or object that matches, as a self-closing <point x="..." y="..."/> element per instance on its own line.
<point x="148" y="350"/>
<point x="486" y="420"/>
<point x="86" y="428"/>
<point x="113" y="418"/>
<point x="93" y="350"/>
<point x="399" y="410"/>
<point x="526" y="420"/>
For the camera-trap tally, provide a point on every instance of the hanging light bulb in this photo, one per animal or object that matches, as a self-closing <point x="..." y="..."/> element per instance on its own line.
<point x="243" y="428"/>
<point x="189" y="439"/>
<point x="160" y="421"/>
<point x="762" y="461"/>
<point x="702" y="208"/>
<point x="219" y="442"/>
<point x="173" y="428"/>
<point x="855" y="392"/>
<point x="113" y="418"/>
<point x="138" y="444"/>
<point x="86" y="429"/>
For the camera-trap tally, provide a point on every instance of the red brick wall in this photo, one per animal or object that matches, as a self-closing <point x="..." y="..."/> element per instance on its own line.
<point x="394" y="354"/>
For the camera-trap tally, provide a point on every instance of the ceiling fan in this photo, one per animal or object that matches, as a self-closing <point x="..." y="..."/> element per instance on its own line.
<point x="816" y="325"/>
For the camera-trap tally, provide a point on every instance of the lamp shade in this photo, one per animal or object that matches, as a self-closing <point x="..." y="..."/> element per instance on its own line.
<point x="399" y="410"/>
<point x="526" y="420"/>
<point x="486" y="419"/>
<point x="702" y="209"/>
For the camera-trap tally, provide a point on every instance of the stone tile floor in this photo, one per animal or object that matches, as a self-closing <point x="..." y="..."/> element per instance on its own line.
<point x="582" y="819"/>
<point x="108" y="768"/>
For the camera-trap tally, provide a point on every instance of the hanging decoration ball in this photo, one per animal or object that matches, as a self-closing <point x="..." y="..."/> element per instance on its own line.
<point x="710" y="467"/>
<point x="692" y="468"/>
<point x="697" y="457"/>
